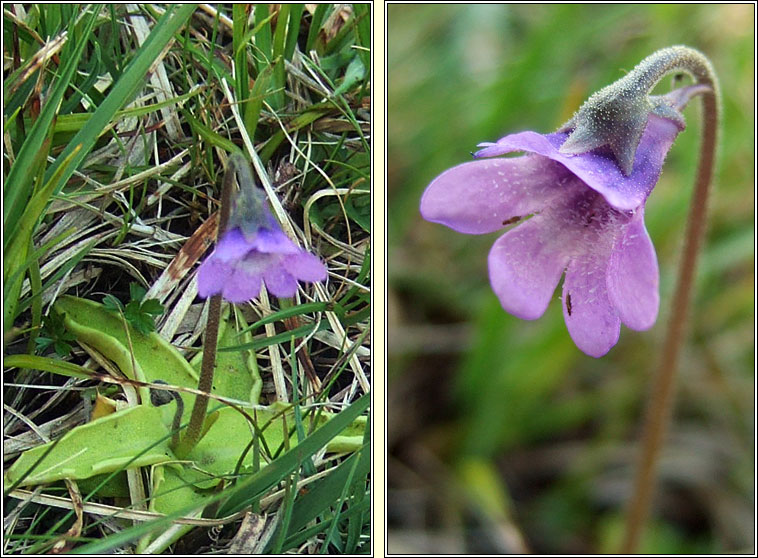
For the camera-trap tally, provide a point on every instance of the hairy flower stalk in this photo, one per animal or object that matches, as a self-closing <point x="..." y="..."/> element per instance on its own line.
<point x="661" y="395"/>
<point x="578" y="198"/>
<point x="251" y="251"/>
<point x="205" y="383"/>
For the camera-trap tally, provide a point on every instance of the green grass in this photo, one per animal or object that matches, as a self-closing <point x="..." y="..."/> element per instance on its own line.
<point x="470" y="384"/>
<point x="117" y="127"/>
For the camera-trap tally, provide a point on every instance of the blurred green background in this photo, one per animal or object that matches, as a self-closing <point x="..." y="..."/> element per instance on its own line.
<point x="503" y="436"/>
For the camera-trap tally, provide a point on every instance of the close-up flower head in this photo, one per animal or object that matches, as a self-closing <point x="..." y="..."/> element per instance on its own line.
<point x="578" y="214"/>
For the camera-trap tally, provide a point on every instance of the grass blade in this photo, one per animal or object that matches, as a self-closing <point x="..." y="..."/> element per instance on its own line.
<point x="21" y="241"/>
<point x="285" y="464"/>
<point x="131" y="80"/>
<point x="17" y="185"/>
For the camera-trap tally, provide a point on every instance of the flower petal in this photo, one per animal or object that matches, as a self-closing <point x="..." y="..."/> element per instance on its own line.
<point x="599" y="170"/>
<point x="482" y="196"/>
<point x="242" y="286"/>
<point x="279" y="281"/>
<point x="305" y="266"/>
<point x="590" y="318"/>
<point x="231" y="246"/>
<point x="256" y="263"/>
<point x="212" y="275"/>
<point x="274" y="241"/>
<point x="632" y="276"/>
<point x="525" y="265"/>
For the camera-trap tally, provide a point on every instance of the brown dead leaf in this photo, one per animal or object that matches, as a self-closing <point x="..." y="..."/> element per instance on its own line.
<point x="249" y="533"/>
<point x="190" y="253"/>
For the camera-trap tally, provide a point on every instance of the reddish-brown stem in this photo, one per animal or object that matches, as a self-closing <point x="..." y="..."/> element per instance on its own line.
<point x="205" y="383"/>
<point x="661" y="400"/>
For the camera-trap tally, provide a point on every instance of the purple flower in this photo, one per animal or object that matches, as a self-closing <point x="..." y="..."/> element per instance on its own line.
<point x="247" y="256"/>
<point x="586" y="220"/>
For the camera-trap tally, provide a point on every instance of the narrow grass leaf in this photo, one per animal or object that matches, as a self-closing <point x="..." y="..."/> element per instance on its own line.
<point x="67" y="123"/>
<point x="285" y="514"/>
<point x="263" y="44"/>
<point x="20" y="242"/>
<point x="16" y="187"/>
<point x="326" y="492"/>
<point x="37" y="254"/>
<point x="278" y="100"/>
<point x="363" y="32"/>
<point x="310" y="532"/>
<point x="291" y="312"/>
<point x="293" y="30"/>
<point x="246" y="491"/>
<point x="65" y="268"/>
<point x="239" y="43"/>
<point x="258" y="93"/>
<point x="279" y="338"/>
<point x="308" y="467"/>
<point x="300" y="121"/>
<point x="47" y="364"/>
<point x="214" y="139"/>
<point x="35" y="282"/>
<point x="124" y="90"/>
<point x="312" y="42"/>
<point x="330" y="537"/>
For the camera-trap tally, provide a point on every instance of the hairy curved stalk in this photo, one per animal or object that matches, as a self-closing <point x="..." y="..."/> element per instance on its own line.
<point x="660" y="404"/>
<point x="205" y="383"/>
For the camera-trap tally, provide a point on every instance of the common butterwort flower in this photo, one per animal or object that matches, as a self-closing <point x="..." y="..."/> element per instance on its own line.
<point x="254" y="250"/>
<point x="583" y="214"/>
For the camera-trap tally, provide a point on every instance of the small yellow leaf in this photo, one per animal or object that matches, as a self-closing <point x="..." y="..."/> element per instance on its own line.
<point x="103" y="406"/>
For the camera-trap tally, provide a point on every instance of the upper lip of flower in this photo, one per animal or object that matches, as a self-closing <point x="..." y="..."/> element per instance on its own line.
<point x="597" y="170"/>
